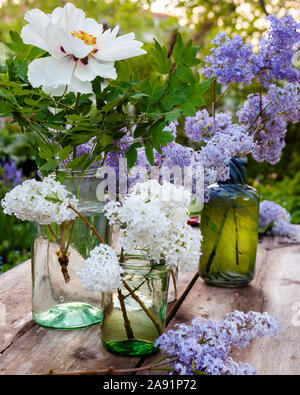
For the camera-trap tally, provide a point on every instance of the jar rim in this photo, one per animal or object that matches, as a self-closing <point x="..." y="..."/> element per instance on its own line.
<point x="139" y="266"/>
<point x="91" y="172"/>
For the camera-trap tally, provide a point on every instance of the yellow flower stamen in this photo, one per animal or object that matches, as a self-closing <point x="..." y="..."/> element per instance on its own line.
<point x="89" y="39"/>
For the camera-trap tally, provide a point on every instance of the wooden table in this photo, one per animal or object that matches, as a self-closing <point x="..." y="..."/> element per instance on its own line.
<point x="27" y="348"/>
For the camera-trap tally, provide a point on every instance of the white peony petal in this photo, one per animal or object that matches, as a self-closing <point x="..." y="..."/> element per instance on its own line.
<point x="118" y="48"/>
<point x="74" y="45"/>
<point x="56" y="14"/>
<point x="54" y="91"/>
<point x="90" y="26"/>
<point x="93" y="68"/>
<point x="51" y="71"/>
<point x="34" y="32"/>
<point x="80" y="86"/>
<point x="30" y="37"/>
<point x="52" y="40"/>
<point x="71" y="19"/>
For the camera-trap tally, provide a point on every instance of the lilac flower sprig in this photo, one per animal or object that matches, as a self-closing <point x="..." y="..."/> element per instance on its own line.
<point x="233" y="61"/>
<point x="204" y="346"/>
<point x="275" y="220"/>
<point x="10" y="174"/>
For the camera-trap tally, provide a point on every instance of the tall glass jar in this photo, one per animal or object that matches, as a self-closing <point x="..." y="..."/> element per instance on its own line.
<point x="135" y="316"/>
<point x="229" y="225"/>
<point x="58" y="253"/>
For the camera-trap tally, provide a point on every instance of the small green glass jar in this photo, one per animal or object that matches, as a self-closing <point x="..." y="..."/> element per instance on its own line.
<point x="135" y="316"/>
<point x="229" y="225"/>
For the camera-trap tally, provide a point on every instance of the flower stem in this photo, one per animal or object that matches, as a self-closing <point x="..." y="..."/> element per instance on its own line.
<point x="147" y="311"/>
<point x="236" y="236"/>
<point x="88" y="223"/>
<point x="127" y="325"/>
<point x="53" y="233"/>
<point x="215" y="247"/>
<point x="111" y="370"/>
<point x="214" y="104"/>
<point x="174" y="282"/>
<point x="63" y="257"/>
<point x="70" y="238"/>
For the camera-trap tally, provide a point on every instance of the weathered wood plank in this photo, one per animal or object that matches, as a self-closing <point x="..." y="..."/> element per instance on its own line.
<point x="275" y="289"/>
<point x="41" y="349"/>
<point x="15" y="303"/>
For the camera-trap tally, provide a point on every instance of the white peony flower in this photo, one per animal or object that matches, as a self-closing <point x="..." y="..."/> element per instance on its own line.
<point x="154" y="218"/>
<point x="102" y="271"/>
<point x="80" y="50"/>
<point x="44" y="201"/>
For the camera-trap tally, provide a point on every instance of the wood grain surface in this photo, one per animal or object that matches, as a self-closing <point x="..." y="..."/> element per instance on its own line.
<point x="27" y="348"/>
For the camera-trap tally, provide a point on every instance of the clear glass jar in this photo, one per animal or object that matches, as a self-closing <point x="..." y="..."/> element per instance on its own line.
<point x="229" y="226"/>
<point x="135" y="316"/>
<point x="59" y="300"/>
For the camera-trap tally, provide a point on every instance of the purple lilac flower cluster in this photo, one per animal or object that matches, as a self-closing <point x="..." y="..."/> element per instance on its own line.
<point x="204" y="346"/>
<point x="229" y="60"/>
<point x="218" y="151"/>
<point x="201" y="127"/>
<point x="10" y="174"/>
<point x="272" y="212"/>
<point x="234" y="61"/>
<point x="277" y="48"/>
<point x="279" y="106"/>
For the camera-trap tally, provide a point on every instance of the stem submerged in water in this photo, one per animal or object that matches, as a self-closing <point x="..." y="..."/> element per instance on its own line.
<point x="215" y="247"/>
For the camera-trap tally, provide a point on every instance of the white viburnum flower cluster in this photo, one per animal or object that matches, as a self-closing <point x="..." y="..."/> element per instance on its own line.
<point x="80" y="49"/>
<point x="44" y="201"/>
<point x="154" y="218"/>
<point x="102" y="271"/>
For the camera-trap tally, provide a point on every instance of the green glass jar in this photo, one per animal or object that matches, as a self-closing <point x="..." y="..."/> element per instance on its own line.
<point x="229" y="225"/>
<point x="135" y="316"/>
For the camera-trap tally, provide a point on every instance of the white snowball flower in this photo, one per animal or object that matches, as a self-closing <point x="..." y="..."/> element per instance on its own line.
<point x="102" y="271"/>
<point x="44" y="201"/>
<point x="154" y="218"/>
<point x="79" y="47"/>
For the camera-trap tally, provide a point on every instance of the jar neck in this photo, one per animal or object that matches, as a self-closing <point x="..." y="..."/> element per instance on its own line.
<point x="238" y="171"/>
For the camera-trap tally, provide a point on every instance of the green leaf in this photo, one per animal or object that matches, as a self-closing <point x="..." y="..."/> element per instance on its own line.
<point x="49" y="166"/>
<point x="172" y="115"/>
<point x="178" y="49"/>
<point x="159" y="59"/>
<point x="131" y="155"/>
<point x="174" y="99"/>
<point x="78" y="162"/>
<point x="140" y="131"/>
<point x="189" y="55"/>
<point x="17" y="45"/>
<point x="203" y="86"/>
<point x="65" y="153"/>
<point x="185" y="74"/>
<point x="138" y="95"/>
<point x="149" y="152"/>
<point x="166" y="137"/>
<point x="265" y="229"/>
<point x="188" y="109"/>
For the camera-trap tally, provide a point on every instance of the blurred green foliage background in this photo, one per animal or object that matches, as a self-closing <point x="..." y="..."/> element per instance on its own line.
<point x="200" y="20"/>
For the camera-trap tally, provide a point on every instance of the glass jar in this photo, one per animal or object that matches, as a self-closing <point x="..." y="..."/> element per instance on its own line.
<point x="59" y="300"/>
<point x="229" y="226"/>
<point x="135" y="316"/>
<point x="173" y="285"/>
